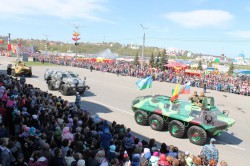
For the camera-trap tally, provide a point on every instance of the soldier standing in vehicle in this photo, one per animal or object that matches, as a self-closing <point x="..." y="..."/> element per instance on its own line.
<point x="201" y="97"/>
<point x="78" y="99"/>
<point x="194" y="98"/>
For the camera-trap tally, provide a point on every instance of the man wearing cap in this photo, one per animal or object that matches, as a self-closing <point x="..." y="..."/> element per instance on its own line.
<point x="210" y="151"/>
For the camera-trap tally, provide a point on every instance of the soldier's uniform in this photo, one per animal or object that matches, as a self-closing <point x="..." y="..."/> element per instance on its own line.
<point x="78" y="99"/>
<point x="194" y="98"/>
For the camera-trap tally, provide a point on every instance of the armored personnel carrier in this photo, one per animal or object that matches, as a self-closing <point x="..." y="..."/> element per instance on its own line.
<point x="182" y="117"/>
<point x="19" y="69"/>
<point x="65" y="81"/>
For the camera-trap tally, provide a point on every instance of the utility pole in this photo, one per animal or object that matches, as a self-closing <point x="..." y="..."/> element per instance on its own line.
<point x="46" y="45"/>
<point x="9" y="46"/>
<point x="143" y="45"/>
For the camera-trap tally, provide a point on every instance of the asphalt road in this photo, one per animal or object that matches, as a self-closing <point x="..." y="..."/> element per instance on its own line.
<point x="110" y="96"/>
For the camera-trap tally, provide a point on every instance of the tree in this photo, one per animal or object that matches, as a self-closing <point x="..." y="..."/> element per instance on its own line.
<point x="199" y="65"/>
<point x="136" y="59"/>
<point x="231" y="69"/>
<point x="151" y="60"/>
<point x="163" y="60"/>
<point x="157" y="60"/>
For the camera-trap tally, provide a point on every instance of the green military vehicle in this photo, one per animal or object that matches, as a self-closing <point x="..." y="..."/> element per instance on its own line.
<point x="182" y="117"/>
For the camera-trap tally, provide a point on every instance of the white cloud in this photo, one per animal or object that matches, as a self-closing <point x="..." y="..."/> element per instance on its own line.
<point x="239" y="34"/>
<point x="65" y="9"/>
<point x="201" y="18"/>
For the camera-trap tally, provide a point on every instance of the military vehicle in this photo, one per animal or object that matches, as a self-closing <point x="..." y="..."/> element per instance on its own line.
<point x="19" y="69"/>
<point x="182" y="117"/>
<point x="65" y="81"/>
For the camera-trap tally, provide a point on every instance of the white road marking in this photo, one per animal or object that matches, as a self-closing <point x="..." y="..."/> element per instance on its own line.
<point x="231" y="145"/>
<point x="94" y="101"/>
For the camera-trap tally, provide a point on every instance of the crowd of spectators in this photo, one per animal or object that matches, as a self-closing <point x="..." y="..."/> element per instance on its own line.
<point x="213" y="81"/>
<point x="38" y="128"/>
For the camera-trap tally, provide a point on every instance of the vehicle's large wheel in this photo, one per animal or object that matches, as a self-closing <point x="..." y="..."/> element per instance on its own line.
<point x="50" y="86"/>
<point x="13" y="73"/>
<point x="197" y="135"/>
<point x="64" y="90"/>
<point x="156" y="122"/>
<point x="82" y="91"/>
<point x="141" y="117"/>
<point x="176" y="129"/>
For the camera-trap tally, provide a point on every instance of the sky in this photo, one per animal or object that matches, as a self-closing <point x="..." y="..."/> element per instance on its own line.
<point x="200" y="26"/>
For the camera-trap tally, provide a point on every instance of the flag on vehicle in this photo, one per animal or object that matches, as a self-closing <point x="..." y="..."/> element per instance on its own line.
<point x="185" y="89"/>
<point x="176" y="93"/>
<point x="145" y="83"/>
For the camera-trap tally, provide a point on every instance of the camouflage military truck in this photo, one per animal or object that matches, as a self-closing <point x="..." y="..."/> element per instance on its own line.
<point x="19" y="69"/>
<point x="65" y="81"/>
<point x="182" y="117"/>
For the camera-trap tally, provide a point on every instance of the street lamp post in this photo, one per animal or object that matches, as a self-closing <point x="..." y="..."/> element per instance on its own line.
<point x="143" y="45"/>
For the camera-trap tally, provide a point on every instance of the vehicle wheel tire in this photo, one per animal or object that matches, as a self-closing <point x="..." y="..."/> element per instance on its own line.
<point x="156" y="122"/>
<point x="141" y="117"/>
<point x="50" y="86"/>
<point x="82" y="92"/>
<point x="197" y="135"/>
<point x="13" y="73"/>
<point x="176" y="129"/>
<point x="64" y="91"/>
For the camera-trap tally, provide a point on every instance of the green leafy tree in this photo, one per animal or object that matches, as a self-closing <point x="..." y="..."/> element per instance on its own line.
<point x="231" y="69"/>
<point x="199" y="65"/>
<point x="151" y="60"/>
<point x="136" y="59"/>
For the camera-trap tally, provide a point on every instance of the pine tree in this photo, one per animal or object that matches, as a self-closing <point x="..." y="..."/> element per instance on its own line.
<point x="136" y="59"/>
<point x="163" y="60"/>
<point x="231" y="69"/>
<point x="157" y="60"/>
<point x="199" y="65"/>
<point x="151" y="60"/>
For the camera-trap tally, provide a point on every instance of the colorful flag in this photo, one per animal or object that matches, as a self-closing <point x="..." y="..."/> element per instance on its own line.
<point x="144" y="83"/>
<point x="176" y="93"/>
<point x="185" y="89"/>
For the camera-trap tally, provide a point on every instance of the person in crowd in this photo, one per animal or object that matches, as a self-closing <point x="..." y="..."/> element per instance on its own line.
<point x="3" y="131"/>
<point x="20" y="160"/>
<point x="172" y="152"/>
<point x="162" y="161"/>
<point x="111" y="154"/>
<point x="69" y="157"/>
<point x="37" y="159"/>
<point x="188" y="158"/>
<point x="5" y="152"/>
<point x="58" y="159"/>
<point x="223" y="163"/>
<point x="22" y="80"/>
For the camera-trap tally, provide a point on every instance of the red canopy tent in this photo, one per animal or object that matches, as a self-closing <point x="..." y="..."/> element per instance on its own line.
<point x="177" y="64"/>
